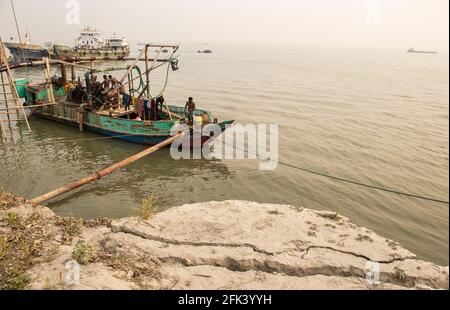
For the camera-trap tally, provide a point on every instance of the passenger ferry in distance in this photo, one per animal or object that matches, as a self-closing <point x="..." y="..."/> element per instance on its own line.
<point x="91" y="46"/>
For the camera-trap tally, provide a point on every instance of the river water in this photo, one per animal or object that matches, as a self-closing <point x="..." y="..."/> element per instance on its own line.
<point x="376" y="116"/>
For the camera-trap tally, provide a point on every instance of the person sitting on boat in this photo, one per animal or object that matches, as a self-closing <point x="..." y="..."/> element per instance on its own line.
<point x="190" y="107"/>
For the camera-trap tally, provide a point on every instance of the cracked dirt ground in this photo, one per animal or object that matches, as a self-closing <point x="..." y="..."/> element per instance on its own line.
<point x="232" y="245"/>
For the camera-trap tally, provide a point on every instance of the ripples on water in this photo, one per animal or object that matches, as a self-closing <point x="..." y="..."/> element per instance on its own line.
<point x="376" y="116"/>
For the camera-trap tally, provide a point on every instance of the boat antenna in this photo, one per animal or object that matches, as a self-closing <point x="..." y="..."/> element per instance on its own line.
<point x="18" y="30"/>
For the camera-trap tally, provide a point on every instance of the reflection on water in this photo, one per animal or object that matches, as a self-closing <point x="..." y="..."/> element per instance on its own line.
<point x="375" y="116"/>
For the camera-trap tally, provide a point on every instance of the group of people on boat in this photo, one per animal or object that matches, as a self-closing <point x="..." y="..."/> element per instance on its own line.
<point x="110" y="94"/>
<point x="144" y="108"/>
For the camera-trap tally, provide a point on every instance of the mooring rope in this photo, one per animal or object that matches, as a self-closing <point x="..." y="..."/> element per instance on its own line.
<point x="336" y="178"/>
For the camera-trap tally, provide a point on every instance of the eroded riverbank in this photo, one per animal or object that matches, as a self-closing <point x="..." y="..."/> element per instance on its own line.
<point x="215" y="245"/>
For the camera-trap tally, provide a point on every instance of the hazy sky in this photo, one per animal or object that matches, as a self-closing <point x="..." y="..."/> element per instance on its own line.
<point x="341" y="23"/>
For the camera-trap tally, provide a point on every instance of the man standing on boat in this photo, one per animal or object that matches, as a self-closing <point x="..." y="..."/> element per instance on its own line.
<point x="114" y="82"/>
<point x="106" y="85"/>
<point x="190" y="107"/>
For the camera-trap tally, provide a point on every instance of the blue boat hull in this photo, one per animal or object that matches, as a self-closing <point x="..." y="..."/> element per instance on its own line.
<point x="132" y="138"/>
<point x="28" y="54"/>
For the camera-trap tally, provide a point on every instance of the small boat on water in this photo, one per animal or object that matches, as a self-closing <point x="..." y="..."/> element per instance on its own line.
<point x="411" y="50"/>
<point x="91" y="46"/>
<point x="89" y="106"/>
<point x="204" y="51"/>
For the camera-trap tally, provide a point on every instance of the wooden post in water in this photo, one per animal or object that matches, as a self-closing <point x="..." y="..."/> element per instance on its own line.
<point x="104" y="172"/>
<point x="80" y="119"/>
<point x="73" y="74"/>
<point x="63" y="73"/>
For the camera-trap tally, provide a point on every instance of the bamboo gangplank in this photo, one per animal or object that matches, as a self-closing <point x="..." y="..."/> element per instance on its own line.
<point x="4" y="92"/>
<point x="16" y="99"/>
<point x="98" y="175"/>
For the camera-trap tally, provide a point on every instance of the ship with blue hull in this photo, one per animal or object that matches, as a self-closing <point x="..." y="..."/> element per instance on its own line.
<point x="26" y="52"/>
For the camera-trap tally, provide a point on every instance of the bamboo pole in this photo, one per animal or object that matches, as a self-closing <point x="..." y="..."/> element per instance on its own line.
<point x="56" y="62"/>
<point x="18" y="31"/>
<point x="98" y="175"/>
<point x="34" y="106"/>
<point x="130" y="68"/>
<point x="147" y="73"/>
<point x="48" y="74"/>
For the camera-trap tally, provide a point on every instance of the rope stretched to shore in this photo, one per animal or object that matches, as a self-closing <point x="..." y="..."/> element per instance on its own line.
<point x="336" y="178"/>
<point x="380" y="188"/>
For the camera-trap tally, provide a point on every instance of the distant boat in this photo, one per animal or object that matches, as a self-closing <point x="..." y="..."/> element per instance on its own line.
<point x="91" y="46"/>
<point x="411" y="50"/>
<point x="204" y="52"/>
<point x="26" y="52"/>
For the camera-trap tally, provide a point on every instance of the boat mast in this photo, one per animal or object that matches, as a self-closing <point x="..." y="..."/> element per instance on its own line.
<point x="18" y="30"/>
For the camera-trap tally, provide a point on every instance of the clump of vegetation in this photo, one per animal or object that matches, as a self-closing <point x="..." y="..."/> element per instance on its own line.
<point x="136" y="269"/>
<point x="312" y="230"/>
<point x="12" y="219"/>
<point x="148" y="208"/>
<point x="312" y="233"/>
<point x="83" y="253"/>
<point x="274" y="212"/>
<point x="70" y="228"/>
<point x="20" y="249"/>
<point x="99" y="221"/>
<point x="330" y="225"/>
<point x="392" y="244"/>
<point x="400" y="275"/>
<point x="330" y="215"/>
<point x="363" y="238"/>
<point x="8" y="201"/>
<point x="17" y="281"/>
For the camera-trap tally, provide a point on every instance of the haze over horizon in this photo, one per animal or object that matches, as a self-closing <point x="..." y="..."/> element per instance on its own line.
<point x="346" y="23"/>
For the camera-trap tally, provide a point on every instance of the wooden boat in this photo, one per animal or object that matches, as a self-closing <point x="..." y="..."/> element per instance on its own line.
<point x="121" y="124"/>
<point x="75" y="104"/>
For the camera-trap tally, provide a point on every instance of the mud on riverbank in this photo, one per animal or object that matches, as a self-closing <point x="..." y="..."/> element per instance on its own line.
<point x="215" y="245"/>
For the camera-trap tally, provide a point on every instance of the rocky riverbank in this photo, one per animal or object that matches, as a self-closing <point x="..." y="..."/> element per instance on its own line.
<point x="215" y="245"/>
